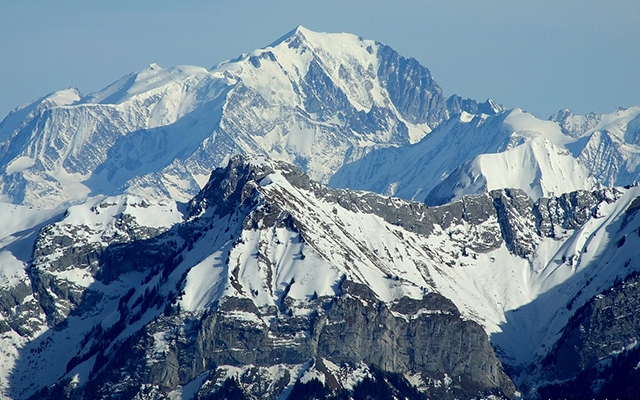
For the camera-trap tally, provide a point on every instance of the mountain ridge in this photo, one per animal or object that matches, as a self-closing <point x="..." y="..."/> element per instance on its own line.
<point x="271" y="258"/>
<point x="187" y="245"/>
<point x="337" y="93"/>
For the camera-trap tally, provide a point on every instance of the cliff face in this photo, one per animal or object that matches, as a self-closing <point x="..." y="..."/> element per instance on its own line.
<point x="268" y="283"/>
<point x="597" y="355"/>
<point x="179" y="326"/>
<point x="429" y="341"/>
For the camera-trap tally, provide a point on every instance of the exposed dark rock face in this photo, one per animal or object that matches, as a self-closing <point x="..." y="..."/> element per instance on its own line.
<point x="411" y="88"/>
<point x="63" y="247"/>
<point x="417" y="96"/>
<point x="517" y="222"/>
<point x="427" y="336"/>
<point x="19" y="314"/>
<point x="425" y="339"/>
<point x="569" y="211"/>
<point x="597" y="355"/>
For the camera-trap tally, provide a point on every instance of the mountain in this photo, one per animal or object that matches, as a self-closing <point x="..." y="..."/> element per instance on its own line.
<point x="247" y="284"/>
<point x="472" y="154"/>
<point x="607" y="144"/>
<point x="192" y="233"/>
<point x="317" y="100"/>
<point x="268" y="281"/>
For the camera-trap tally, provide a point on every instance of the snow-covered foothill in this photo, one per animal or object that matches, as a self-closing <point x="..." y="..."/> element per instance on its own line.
<point x="472" y="154"/>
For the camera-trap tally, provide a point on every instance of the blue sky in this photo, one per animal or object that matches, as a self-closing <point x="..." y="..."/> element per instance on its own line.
<point x="538" y="55"/>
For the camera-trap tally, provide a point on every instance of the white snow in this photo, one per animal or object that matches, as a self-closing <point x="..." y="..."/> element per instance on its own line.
<point x="520" y="302"/>
<point x="19" y="164"/>
<point x="473" y="154"/>
<point x="160" y="131"/>
<point x="18" y="229"/>
<point x="101" y="212"/>
<point x="161" y="119"/>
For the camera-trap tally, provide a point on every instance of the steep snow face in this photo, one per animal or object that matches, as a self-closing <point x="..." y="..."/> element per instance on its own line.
<point x="276" y="71"/>
<point x="406" y="171"/>
<point x="471" y="154"/>
<point x="537" y="166"/>
<point x="315" y="99"/>
<point x="609" y="145"/>
<point x="19" y="227"/>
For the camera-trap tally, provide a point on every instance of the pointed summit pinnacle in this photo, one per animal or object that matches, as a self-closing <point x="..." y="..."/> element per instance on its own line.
<point x="298" y="32"/>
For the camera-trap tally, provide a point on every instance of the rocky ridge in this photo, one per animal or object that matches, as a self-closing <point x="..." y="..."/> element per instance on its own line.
<point x="267" y="283"/>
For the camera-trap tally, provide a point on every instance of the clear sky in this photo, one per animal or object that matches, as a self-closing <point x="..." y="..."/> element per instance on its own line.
<point x="539" y="55"/>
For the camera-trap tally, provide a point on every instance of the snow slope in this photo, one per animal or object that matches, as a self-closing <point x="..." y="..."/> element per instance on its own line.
<point x="318" y="100"/>
<point x="536" y="166"/>
<point x="472" y="154"/>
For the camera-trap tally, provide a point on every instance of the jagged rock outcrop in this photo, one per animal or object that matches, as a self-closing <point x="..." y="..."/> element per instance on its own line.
<point x="270" y="280"/>
<point x="597" y="355"/>
<point x="425" y="336"/>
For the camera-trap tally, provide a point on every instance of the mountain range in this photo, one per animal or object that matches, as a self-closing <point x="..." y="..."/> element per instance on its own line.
<point x="315" y="219"/>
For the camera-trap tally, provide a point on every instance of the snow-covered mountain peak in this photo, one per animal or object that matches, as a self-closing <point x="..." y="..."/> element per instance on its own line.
<point x="277" y="71"/>
<point x="526" y="126"/>
<point x="64" y="97"/>
<point x="494" y="107"/>
<point x="577" y="125"/>
<point x="607" y="144"/>
<point x="301" y="37"/>
<point x="319" y="100"/>
<point x="573" y="124"/>
<point x="153" y="66"/>
<point x="151" y="81"/>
